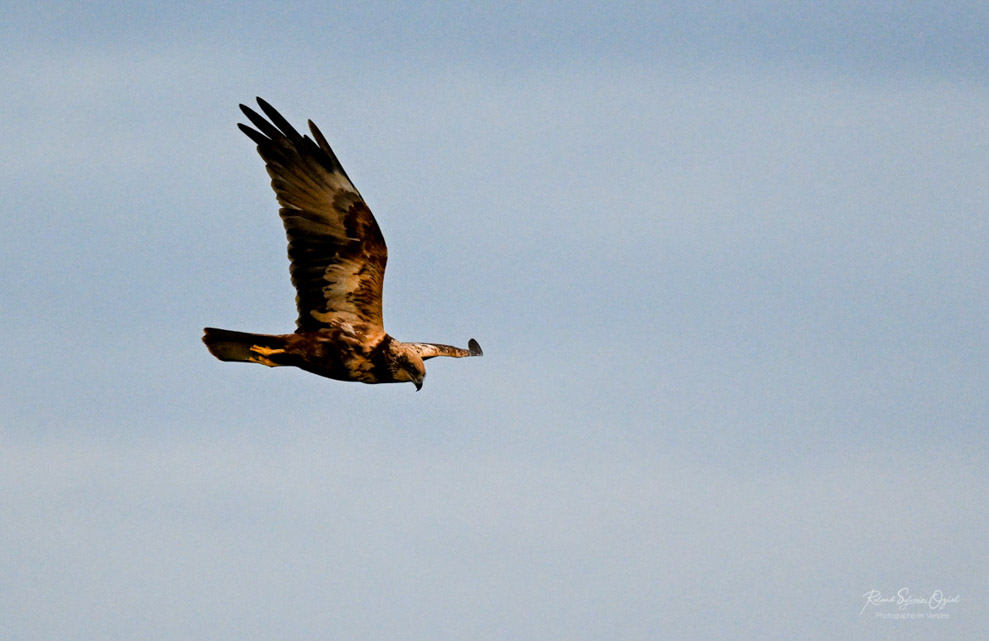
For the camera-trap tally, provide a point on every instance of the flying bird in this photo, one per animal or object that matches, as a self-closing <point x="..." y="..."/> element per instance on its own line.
<point x="337" y="259"/>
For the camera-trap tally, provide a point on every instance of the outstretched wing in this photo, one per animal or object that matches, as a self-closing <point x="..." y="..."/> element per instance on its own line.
<point x="335" y="247"/>
<point x="429" y="350"/>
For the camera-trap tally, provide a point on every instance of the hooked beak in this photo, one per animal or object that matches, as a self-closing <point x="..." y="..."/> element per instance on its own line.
<point x="418" y="385"/>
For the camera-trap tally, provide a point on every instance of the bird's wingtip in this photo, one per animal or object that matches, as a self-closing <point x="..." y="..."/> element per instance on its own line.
<point x="474" y="348"/>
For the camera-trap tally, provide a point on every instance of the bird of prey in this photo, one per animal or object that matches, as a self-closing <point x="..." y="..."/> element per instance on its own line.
<point x="337" y="261"/>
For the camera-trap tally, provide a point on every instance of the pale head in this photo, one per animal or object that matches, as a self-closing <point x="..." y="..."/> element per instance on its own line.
<point x="407" y="365"/>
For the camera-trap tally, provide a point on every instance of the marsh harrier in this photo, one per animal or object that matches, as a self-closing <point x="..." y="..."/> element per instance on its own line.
<point x="337" y="261"/>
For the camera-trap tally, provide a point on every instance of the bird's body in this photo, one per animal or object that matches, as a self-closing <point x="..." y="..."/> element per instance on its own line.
<point x="337" y="260"/>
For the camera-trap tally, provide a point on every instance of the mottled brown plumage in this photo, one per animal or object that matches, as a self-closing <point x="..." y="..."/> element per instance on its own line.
<point x="337" y="261"/>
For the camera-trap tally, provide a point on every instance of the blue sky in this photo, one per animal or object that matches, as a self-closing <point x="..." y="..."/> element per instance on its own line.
<point x="728" y="266"/>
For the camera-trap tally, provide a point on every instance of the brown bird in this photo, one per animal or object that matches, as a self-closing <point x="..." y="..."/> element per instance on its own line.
<point x="337" y="261"/>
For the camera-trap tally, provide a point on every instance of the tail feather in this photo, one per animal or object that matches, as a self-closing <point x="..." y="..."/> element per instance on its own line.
<point x="228" y="345"/>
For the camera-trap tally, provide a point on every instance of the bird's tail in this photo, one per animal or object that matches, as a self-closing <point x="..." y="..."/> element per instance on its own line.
<point x="228" y="345"/>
